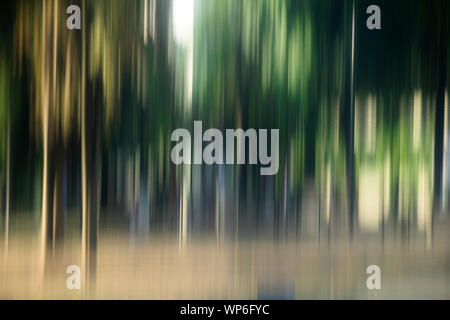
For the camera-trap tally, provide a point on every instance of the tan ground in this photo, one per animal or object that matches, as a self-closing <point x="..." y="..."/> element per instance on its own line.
<point x="159" y="269"/>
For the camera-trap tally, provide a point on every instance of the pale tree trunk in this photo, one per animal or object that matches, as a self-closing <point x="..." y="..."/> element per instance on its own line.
<point x="57" y="154"/>
<point x="45" y="191"/>
<point x="51" y="151"/>
<point x="350" y="154"/>
<point x="1" y="198"/>
<point x="8" y="185"/>
<point x="45" y="138"/>
<point x="84" y="220"/>
<point x="57" y="232"/>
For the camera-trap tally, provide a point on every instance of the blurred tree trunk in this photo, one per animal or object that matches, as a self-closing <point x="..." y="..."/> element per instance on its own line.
<point x="45" y="188"/>
<point x="57" y="146"/>
<point x="165" y="75"/>
<point x="52" y="224"/>
<point x="440" y="113"/>
<point x="162" y="32"/>
<point x="91" y="124"/>
<point x="59" y="158"/>
<point x="8" y="182"/>
<point x="1" y="196"/>
<point x="351" y="128"/>
<point x="53" y="177"/>
<point x="91" y="180"/>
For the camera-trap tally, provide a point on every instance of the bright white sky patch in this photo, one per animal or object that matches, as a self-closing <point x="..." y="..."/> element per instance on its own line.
<point x="183" y="32"/>
<point x="183" y="21"/>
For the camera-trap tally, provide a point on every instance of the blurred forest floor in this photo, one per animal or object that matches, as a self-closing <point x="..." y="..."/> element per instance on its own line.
<point x="158" y="268"/>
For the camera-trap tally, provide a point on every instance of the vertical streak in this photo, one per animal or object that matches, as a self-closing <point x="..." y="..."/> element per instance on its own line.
<point x="8" y="184"/>
<point x="217" y="213"/>
<point x="44" y="107"/>
<point x="55" y="109"/>
<point x="352" y="124"/>
<point x="184" y="209"/>
<point x="352" y="77"/>
<point x="153" y="22"/>
<point x="353" y="48"/>
<point x="445" y="152"/>
<point x="145" y="21"/>
<point x="55" y="45"/>
<point x="180" y="225"/>
<point x="83" y="149"/>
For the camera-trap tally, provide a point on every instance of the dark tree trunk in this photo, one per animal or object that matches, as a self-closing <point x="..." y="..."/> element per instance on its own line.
<point x="93" y="130"/>
<point x="349" y="123"/>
